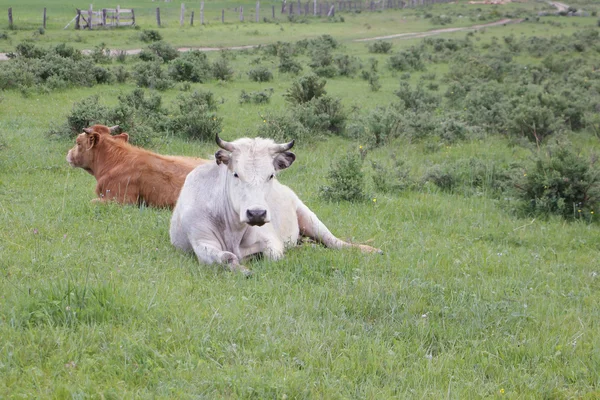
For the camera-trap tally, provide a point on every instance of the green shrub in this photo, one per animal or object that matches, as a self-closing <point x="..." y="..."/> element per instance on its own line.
<point x="151" y="75"/>
<point x="417" y="99"/>
<point x="260" y="97"/>
<point x="380" y="47"/>
<point x="408" y="60"/>
<point x="222" y="70"/>
<point x="150" y="35"/>
<point x="305" y="89"/>
<point x="85" y="113"/>
<point x="160" y="49"/>
<point x="391" y="179"/>
<point x="195" y="116"/>
<point x="346" y="65"/>
<point x="560" y="181"/>
<point x="260" y="74"/>
<point x="323" y="113"/>
<point x="346" y="180"/>
<point x="288" y="64"/>
<point x="101" y="54"/>
<point x="283" y="128"/>
<point x="191" y="66"/>
<point x="121" y="74"/>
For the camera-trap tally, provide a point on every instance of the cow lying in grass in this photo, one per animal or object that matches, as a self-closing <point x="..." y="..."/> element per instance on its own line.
<point x="128" y="174"/>
<point x="236" y="207"/>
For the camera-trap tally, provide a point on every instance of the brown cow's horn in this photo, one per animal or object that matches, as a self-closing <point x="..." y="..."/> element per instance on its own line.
<point x="113" y="129"/>
<point x="223" y="144"/>
<point x="280" y="148"/>
<point x="88" y="130"/>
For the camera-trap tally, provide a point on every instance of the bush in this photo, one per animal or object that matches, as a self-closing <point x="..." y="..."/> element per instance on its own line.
<point x="160" y="49"/>
<point x="346" y="180"/>
<point x="323" y="113"/>
<point x="346" y="65"/>
<point x="151" y="75"/>
<point x="560" y="181"/>
<point x="393" y="179"/>
<point x="260" y="74"/>
<point x="288" y="64"/>
<point x="379" y="126"/>
<point x="84" y="113"/>
<point x="305" y="89"/>
<point x="101" y="54"/>
<point x="195" y="117"/>
<point x="222" y="70"/>
<point x="380" y="47"/>
<point x="150" y="35"/>
<point x="191" y="66"/>
<point x="407" y="60"/>
<point x="283" y="128"/>
<point x="417" y="99"/>
<point x="260" y="97"/>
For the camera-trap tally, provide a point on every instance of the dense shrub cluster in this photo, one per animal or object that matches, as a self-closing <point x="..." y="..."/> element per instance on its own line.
<point x="145" y="117"/>
<point x="346" y="179"/>
<point x="560" y="181"/>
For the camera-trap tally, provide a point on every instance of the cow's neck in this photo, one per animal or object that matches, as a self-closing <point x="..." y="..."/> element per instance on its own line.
<point x="104" y="158"/>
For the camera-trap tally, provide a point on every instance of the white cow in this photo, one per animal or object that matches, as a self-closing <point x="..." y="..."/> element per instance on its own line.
<point x="234" y="208"/>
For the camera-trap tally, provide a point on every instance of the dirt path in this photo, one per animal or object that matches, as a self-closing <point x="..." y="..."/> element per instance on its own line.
<point x="413" y="35"/>
<point x="408" y="35"/>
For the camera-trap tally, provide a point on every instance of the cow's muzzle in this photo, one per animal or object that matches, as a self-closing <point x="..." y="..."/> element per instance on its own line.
<point x="256" y="217"/>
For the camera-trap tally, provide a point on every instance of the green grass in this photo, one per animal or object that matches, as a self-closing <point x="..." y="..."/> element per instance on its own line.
<point x="468" y="301"/>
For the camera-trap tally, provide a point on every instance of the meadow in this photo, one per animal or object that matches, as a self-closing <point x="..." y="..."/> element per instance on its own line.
<point x="481" y="291"/>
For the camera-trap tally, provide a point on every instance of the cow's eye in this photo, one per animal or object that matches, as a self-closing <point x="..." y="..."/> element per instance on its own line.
<point x="272" y="176"/>
<point x="235" y="175"/>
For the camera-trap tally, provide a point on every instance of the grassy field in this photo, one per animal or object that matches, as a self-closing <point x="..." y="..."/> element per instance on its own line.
<point x="27" y="20"/>
<point x="469" y="300"/>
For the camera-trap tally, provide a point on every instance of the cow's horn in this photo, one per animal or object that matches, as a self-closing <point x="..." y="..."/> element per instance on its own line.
<point x="223" y="144"/>
<point x="280" y="148"/>
<point x="113" y="129"/>
<point x="88" y="130"/>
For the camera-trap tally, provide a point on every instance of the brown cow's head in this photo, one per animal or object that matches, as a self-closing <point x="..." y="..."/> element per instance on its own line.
<point x="82" y="155"/>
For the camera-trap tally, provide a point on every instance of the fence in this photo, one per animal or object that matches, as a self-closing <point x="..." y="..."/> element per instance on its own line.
<point x="115" y="17"/>
<point x="107" y="17"/>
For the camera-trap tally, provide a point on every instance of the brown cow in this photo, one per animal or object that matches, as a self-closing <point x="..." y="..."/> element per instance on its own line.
<point x="128" y="174"/>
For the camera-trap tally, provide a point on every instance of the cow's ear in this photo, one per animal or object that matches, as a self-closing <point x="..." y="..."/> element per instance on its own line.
<point x="93" y="139"/>
<point x="222" y="156"/>
<point x="122" y="136"/>
<point x="283" y="160"/>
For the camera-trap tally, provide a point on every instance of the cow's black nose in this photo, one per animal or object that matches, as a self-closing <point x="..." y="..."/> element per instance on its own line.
<point x="256" y="217"/>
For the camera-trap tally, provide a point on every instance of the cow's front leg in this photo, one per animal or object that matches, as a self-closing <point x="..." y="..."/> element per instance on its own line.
<point x="209" y="254"/>
<point x="312" y="227"/>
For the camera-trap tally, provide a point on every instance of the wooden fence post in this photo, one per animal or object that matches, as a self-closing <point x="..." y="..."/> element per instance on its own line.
<point x="273" y="11"/>
<point x="331" y="12"/>
<point x="257" y="13"/>
<point x="90" y="16"/>
<point x="158" y="16"/>
<point x="132" y="17"/>
<point x="77" y="27"/>
<point x="182" y="14"/>
<point x="44" y="21"/>
<point x="223" y="15"/>
<point x="241" y="13"/>
<point x="104" y="17"/>
<point x="10" y="19"/>
<point x="118" y="15"/>
<point x="201" y="13"/>
<point x="192" y="19"/>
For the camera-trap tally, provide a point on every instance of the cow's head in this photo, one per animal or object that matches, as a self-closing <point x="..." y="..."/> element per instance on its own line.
<point x="252" y="165"/>
<point x="82" y="155"/>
